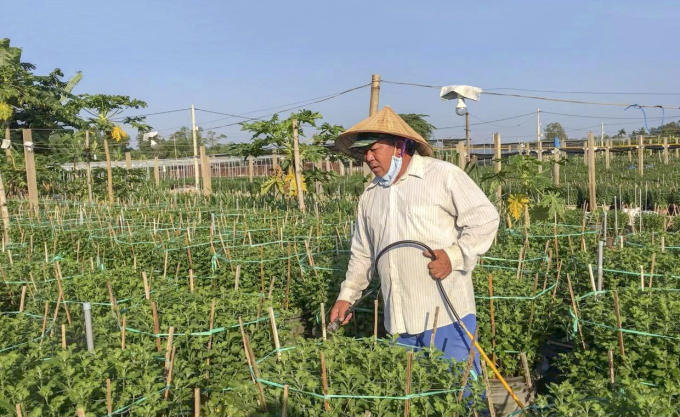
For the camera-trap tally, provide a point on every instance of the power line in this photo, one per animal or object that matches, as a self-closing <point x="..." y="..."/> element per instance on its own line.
<point x="582" y="92"/>
<point x="493" y="121"/>
<point x="608" y="117"/>
<point x="296" y="107"/>
<point x="546" y="98"/>
<point x="149" y="114"/>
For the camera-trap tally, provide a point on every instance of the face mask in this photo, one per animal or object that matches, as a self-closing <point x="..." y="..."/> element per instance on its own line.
<point x="395" y="166"/>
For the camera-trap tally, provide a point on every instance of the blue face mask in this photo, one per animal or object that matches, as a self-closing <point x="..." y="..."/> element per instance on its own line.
<point x="395" y="166"/>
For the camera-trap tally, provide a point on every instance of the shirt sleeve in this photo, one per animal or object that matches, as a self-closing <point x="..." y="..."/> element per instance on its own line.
<point x="359" y="269"/>
<point x="477" y="221"/>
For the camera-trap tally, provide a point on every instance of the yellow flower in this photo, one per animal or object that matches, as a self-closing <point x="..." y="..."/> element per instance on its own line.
<point x="292" y="184"/>
<point x="516" y="205"/>
<point x="118" y="133"/>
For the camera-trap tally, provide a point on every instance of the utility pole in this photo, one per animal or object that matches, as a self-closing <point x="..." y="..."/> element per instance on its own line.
<point x="539" y="144"/>
<point x="602" y="134"/>
<point x="373" y="109"/>
<point x="193" y="133"/>
<point x="467" y="135"/>
<point x="30" y="169"/>
<point x="298" y="167"/>
<point x="88" y="170"/>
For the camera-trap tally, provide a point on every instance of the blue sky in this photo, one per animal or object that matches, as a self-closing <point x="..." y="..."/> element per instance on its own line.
<point x="236" y="57"/>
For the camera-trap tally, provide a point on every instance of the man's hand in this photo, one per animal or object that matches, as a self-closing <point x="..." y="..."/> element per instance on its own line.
<point x="440" y="267"/>
<point x="338" y="311"/>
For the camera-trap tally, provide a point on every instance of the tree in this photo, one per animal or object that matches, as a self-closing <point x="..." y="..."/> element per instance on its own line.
<point x="621" y="134"/>
<point x="555" y="130"/>
<point x="419" y="124"/>
<point x="34" y="101"/>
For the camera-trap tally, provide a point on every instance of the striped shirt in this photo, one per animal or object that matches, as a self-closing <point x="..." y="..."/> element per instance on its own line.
<point x="435" y="203"/>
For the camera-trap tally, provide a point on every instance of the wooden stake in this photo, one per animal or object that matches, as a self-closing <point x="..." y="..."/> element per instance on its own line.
<point x="434" y="327"/>
<point x="485" y="374"/>
<point x="407" y="390"/>
<point x="527" y="372"/>
<point x="109" y="402"/>
<point x="197" y="391"/>
<point x="169" y="347"/>
<point x="80" y="412"/>
<point x="122" y="334"/>
<point x="284" y="411"/>
<point x="323" y="321"/>
<point x="575" y="307"/>
<point x="375" y="320"/>
<point x="275" y="334"/>
<point x="592" y="277"/>
<point x="23" y="299"/>
<point x="109" y="175"/>
<point x="44" y="322"/>
<point x="29" y="162"/>
<point x="156" y="326"/>
<point x="250" y="357"/>
<point x="610" y="354"/>
<point x="324" y="381"/>
<point x="652" y="268"/>
<point x="147" y="291"/>
<point x="168" y="380"/>
<point x="210" y="338"/>
<point x="18" y="406"/>
<point x="191" y="280"/>
<point x="617" y="311"/>
<point x="237" y="277"/>
<point x="642" y="278"/>
<point x="493" y="321"/>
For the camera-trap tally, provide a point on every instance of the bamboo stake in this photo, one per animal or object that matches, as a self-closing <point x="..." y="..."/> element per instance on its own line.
<point x="250" y="357"/>
<point x="122" y="335"/>
<point x="610" y="354"/>
<point x="237" y="276"/>
<point x="642" y="278"/>
<point x="592" y="277"/>
<point x="284" y="411"/>
<point x="197" y="402"/>
<point x="652" y="268"/>
<point x="617" y="311"/>
<point x="18" y="407"/>
<point x="575" y="307"/>
<point x="324" y="381"/>
<point x="375" y="320"/>
<point x="169" y="347"/>
<point x="527" y="372"/>
<point x="80" y="412"/>
<point x="156" y="326"/>
<point x="191" y="280"/>
<point x="275" y="334"/>
<point x="147" y="291"/>
<point x="210" y="338"/>
<point x="109" y="402"/>
<point x="485" y="374"/>
<point x="44" y="321"/>
<point x="168" y="380"/>
<point x="407" y="391"/>
<point x="323" y="321"/>
<point x="287" y="300"/>
<point x="434" y="327"/>
<point x="23" y="299"/>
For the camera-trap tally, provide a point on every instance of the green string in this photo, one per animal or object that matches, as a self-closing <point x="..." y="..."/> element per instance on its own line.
<point x="203" y="333"/>
<point x="498" y="297"/>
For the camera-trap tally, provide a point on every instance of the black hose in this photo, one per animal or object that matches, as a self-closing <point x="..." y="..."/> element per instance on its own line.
<point x="432" y="255"/>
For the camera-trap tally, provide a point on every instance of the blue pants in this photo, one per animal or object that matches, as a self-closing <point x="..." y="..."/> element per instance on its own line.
<point x="450" y="339"/>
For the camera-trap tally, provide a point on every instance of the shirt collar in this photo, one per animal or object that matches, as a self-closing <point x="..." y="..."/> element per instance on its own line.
<point x="415" y="168"/>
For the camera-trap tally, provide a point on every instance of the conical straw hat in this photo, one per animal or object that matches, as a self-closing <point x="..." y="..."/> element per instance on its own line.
<point x="384" y="121"/>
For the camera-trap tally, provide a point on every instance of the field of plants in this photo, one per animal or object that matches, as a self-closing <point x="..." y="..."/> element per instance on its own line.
<point x="217" y="305"/>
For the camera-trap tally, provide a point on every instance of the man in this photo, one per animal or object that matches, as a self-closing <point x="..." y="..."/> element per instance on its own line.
<point x="414" y="197"/>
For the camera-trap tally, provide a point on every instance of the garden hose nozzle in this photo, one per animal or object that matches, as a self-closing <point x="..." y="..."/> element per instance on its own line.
<point x="335" y="324"/>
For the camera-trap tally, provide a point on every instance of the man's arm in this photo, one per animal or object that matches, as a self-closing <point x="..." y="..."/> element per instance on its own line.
<point x="358" y="271"/>
<point x="477" y="218"/>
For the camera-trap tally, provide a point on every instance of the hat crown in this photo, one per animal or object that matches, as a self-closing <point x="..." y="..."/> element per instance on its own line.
<point x="385" y="121"/>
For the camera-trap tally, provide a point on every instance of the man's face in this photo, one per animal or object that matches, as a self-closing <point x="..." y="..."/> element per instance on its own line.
<point x="379" y="156"/>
